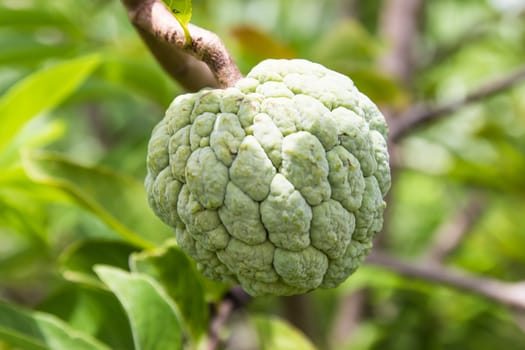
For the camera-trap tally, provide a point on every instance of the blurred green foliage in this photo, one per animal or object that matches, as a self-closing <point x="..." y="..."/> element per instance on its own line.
<point x="79" y="94"/>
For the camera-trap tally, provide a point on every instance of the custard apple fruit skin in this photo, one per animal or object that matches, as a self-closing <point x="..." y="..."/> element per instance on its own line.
<point x="277" y="183"/>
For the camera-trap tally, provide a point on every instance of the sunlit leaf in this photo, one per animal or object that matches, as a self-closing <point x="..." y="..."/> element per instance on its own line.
<point x="27" y="330"/>
<point x="37" y="133"/>
<point x="153" y="317"/>
<point x="182" y="11"/>
<point x="40" y="92"/>
<point x="118" y="200"/>
<point x="175" y="272"/>
<point x="276" y="334"/>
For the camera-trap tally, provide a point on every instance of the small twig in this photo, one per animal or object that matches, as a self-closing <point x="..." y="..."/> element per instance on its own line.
<point x="348" y="316"/>
<point x="452" y="232"/>
<point x="235" y="298"/>
<point x="510" y="294"/>
<point x="298" y="310"/>
<point x="204" y="63"/>
<point x="400" y="21"/>
<point x="95" y="118"/>
<point x="399" y="25"/>
<point x="424" y="114"/>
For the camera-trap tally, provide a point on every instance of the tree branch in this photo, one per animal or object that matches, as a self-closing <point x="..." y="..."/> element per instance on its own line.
<point x="298" y="310"/>
<point x="510" y="294"/>
<point x="235" y="298"/>
<point x="204" y="63"/>
<point x="422" y="115"/>
<point x="399" y="25"/>
<point x="348" y="316"/>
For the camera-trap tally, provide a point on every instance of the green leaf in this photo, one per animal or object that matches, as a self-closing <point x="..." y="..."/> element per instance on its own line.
<point x="276" y="334"/>
<point x="22" y="50"/>
<point x="36" y="330"/>
<point x="350" y="49"/>
<point x="377" y="85"/>
<point x="136" y="75"/>
<point x="96" y="311"/>
<point x="348" y="40"/>
<point x="35" y="17"/>
<point x="37" y="133"/>
<point x="152" y="315"/>
<point x="22" y="260"/>
<point x="477" y="166"/>
<point x="181" y="9"/>
<point x="176" y="273"/>
<point x="256" y="43"/>
<point x="40" y="92"/>
<point x="78" y="260"/>
<point x="118" y="200"/>
<point x="17" y="204"/>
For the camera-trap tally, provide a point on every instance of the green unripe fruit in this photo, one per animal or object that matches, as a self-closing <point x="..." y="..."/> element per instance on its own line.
<point x="276" y="183"/>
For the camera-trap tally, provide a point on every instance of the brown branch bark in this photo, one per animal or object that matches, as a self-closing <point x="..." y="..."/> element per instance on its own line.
<point x="510" y="294"/>
<point x="298" y="310"/>
<point x="204" y="63"/>
<point x="424" y="114"/>
<point x="236" y="298"/>
<point x="400" y="23"/>
<point x="348" y="315"/>
<point x="399" y="26"/>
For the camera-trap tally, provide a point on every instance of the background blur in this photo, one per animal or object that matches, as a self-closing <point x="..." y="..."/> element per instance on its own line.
<point x="73" y="144"/>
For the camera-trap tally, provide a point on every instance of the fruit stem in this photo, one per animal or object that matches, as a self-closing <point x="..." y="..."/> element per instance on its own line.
<point x="204" y="63"/>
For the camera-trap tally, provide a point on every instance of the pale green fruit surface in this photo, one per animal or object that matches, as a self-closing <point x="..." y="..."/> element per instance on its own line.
<point x="277" y="183"/>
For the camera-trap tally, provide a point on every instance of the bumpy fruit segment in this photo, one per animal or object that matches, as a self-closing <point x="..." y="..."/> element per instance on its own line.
<point x="277" y="183"/>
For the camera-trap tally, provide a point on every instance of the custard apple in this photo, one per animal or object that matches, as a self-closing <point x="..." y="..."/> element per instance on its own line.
<point x="277" y="183"/>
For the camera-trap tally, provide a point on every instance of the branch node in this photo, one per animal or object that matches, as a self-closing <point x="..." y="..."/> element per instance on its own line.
<point x="509" y="294"/>
<point x="208" y="63"/>
<point x="423" y="114"/>
<point x="236" y="298"/>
